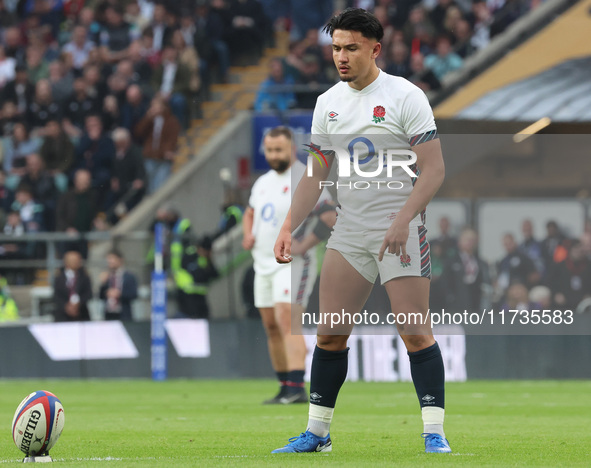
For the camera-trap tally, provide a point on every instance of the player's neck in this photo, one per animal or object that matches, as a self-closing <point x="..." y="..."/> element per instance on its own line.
<point x="363" y="82"/>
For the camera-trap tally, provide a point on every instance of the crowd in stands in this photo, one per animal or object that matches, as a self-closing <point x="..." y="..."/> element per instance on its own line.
<point x="549" y="273"/>
<point x="94" y="95"/>
<point x="424" y="41"/>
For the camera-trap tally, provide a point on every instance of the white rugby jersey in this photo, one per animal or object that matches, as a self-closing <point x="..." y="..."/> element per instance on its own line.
<point x="270" y="199"/>
<point x="391" y="113"/>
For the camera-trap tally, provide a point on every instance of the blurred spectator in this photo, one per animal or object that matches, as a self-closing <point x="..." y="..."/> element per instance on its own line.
<point x="13" y="227"/>
<point x="160" y="29"/>
<point x="507" y="14"/>
<point x="530" y="246"/>
<point x="43" y="107"/>
<point x="8" y="308"/>
<point x="116" y="34"/>
<point x="150" y="55"/>
<point x="187" y="56"/>
<point x="517" y="298"/>
<point x="79" y="47"/>
<point x="61" y="80"/>
<point x="118" y="288"/>
<point x="269" y="98"/>
<point x="421" y="76"/>
<point x="8" y="118"/>
<point x="77" y="210"/>
<point x="159" y="130"/>
<point x="482" y="20"/>
<point x="29" y="209"/>
<point x="20" y="91"/>
<point x="445" y="60"/>
<point x="128" y="184"/>
<point x="134" y="107"/>
<point x="57" y="150"/>
<point x="541" y="296"/>
<point x="245" y="36"/>
<point x="72" y="289"/>
<point x="7" y="17"/>
<point x="463" y="38"/>
<point x="293" y="64"/>
<point x="142" y="71"/>
<point x="554" y="238"/>
<point x="446" y="240"/>
<point x="77" y="106"/>
<point x="43" y="188"/>
<point x="193" y="270"/>
<point x="14" y="44"/>
<point x="571" y="280"/>
<point x="208" y="39"/>
<point x="418" y="24"/>
<point x="7" y="67"/>
<point x="438" y="288"/>
<point x="16" y="148"/>
<point x="110" y="113"/>
<point x="439" y="13"/>
<point x="465" y="274"/>
<point x="398" y="63"/>
<point x="5" y="198"/>
<point x="37" y="65"/>
<point x="95" y="152"/>
<point x="515" y="267"/>
<point x="172" y="79"/>
<point x="96" y="85"/>
<point x="135" y="16"/>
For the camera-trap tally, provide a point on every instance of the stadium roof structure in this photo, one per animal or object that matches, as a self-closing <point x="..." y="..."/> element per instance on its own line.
<point x="562" y="93"/>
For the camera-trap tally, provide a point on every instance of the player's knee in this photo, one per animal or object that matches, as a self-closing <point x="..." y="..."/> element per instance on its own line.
<point x="332" y="342"/>
<point x="417" y="342"/>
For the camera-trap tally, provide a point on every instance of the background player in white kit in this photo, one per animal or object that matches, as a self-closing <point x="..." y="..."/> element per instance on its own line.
<point x="378" y="231"/>
<point x="281" y="291"/>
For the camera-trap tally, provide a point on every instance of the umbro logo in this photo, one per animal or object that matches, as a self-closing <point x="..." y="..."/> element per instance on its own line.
<point x="332" y="115"/>
<point x="315" y="396"/>
<point x="428" y="398"/>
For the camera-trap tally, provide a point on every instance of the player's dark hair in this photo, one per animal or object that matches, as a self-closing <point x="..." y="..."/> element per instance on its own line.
<point x="356" y="19"/>
<point x="280" y="131"/>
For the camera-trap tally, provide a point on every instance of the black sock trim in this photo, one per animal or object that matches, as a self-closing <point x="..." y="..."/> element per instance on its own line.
<point x="327" y="355"/>
<point x="424" y="354"/>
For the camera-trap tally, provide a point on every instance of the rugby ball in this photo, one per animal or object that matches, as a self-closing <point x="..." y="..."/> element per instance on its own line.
<point x="38" y="423"/>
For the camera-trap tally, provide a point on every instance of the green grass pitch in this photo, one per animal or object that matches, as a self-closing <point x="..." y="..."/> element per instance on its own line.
<point x="222" y="423"/>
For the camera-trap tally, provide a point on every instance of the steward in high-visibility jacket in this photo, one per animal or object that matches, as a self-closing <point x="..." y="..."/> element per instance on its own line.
<point x="8" y="308"/>
<point x="192" y="270"/>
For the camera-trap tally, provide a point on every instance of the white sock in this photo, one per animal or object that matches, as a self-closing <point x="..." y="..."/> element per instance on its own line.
<point x="433" y="420"/>
<point x="319" y="419"/>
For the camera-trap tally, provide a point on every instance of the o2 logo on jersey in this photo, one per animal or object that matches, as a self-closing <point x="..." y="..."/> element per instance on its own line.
<point x="350" y="158"/>
<point x="268" y="213"/>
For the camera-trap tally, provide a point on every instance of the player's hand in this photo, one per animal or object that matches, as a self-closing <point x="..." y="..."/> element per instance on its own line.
<point x="395" y="239"/>
<point x="282" y="249"/>
<point x="248" y="241"/>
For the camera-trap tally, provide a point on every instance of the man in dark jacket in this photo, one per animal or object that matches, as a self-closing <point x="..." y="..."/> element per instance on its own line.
<point x="77" y="209"/>
<point x="128" y="183"/>
<point x="72" y="290"/>
<point x="118" y="288"/>
<point x="95" y="152"/>
<point x="464" y="274"/>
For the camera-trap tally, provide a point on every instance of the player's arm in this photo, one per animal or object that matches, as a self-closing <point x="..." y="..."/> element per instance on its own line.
<point x="247" y="221"/>
<point x="430" y="163"/>
<point x="326" y="220"/>
<point x="304" y="200"/>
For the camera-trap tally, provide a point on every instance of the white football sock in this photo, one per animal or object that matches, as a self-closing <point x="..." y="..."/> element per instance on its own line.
<point x="319" y="419"/>
<point x="433" y="420"/>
